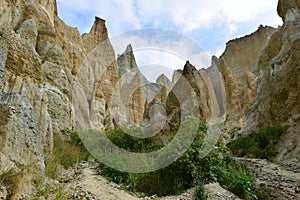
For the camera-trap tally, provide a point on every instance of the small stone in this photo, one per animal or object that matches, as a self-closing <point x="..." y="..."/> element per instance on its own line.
<point x="219" y="194"/>
<point x="274" y="178"/>
<point x="262" y="184"/>
<point x="82" y="194"/>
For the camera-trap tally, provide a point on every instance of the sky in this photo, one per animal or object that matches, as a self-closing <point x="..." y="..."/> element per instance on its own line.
<point x="166" y="33"/>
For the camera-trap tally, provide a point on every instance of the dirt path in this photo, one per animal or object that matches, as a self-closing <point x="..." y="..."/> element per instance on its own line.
<point x="92" y="186"/>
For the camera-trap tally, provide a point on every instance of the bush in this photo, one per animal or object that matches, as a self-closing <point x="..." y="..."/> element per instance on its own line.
<point x="200" y="193"/>
<point x="220" y="167"/>
<point x="128" y="142"/>
<point x="258" y="144"/>
<point x="177" y="176"/>
<point x="184" y="173"/>
<point x="242" y="185"/>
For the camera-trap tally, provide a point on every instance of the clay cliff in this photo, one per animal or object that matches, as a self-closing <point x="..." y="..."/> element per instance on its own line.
<point x="131" y="81"/>
<point x="278" y="99"/>
<point x="165" y="88"/>
<point x="242" y="54"/>
<point x="239" y="68"/>
<point x="51" y="78"/>
<point x="254" y="83"/>
<point x="139" y="91"/>
<point x="197" y="82"/>
<point x="226" y="89"/>
<point x="91" y="60"/>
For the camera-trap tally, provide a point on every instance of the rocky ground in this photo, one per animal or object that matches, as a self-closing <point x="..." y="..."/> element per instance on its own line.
<point x="274" y="181"/>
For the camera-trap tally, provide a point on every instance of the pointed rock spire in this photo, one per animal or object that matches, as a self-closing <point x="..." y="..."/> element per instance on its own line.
<point x="189" y="69"/>
<point x="126" y="61"/>
<point x="164" y="81"/>
<point x="96" y="36"/>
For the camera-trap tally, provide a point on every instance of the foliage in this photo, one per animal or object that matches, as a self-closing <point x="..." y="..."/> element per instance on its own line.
<point x="242" y="185"/>
<point x="65" y="153"/>
<point x="200" y="193"/>
<point x="184" y="173"/>
<point x="258" y="144"/>
<point x="124" y="140"/>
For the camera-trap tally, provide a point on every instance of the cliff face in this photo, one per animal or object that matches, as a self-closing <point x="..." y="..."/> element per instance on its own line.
<point x="279" y="82"/>
<point x="226" y="89"/>
<point x="240" y="70"/>
<point x="279" y="65"/>
<point x="237" y="96"/>
<point x="139" y="91"/>
<point x="65" y="80"/>
<point x="241" y="55"/>
<point x="166" y="86"/>
<point x="50" y="63"/>
<point x="91" y="60"/>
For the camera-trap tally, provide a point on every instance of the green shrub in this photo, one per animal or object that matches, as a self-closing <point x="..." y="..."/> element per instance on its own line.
<point x="124" y="140"/>
<point x="178" y="176"/>
<point x="200" y="193"/>
<point x="219" y="166"/>
<point x="258" y="144"/>
<point x="184" y="173"/>
<point x="242" y="185"/>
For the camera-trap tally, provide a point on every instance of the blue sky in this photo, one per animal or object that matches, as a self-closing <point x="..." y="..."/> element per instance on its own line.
<point x="207" y="23"/>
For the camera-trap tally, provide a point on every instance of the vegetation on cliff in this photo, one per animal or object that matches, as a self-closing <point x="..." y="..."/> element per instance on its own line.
<point x="258" y="144"/>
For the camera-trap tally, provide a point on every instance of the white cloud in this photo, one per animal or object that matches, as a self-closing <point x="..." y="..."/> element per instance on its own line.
<point x="161" y="51"/>
<point x="186" y="17"/>
<point x="168" y="47"/>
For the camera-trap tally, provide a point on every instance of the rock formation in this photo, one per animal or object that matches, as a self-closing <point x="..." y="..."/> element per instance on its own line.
<point x="239" y="68"/>
<point x="131" y="81"/>
<point x="193" y="79"/>
<point x="238" y="97"/>
<point x="91" y="60"/>
<point x="278" y="97"/>
<point x="139" y="91"/>
<point x="51" y="78"/>
<point x="164" y="81"/>
<point x="166" y="87"/>
<point x="155" y="116"/>
<point x="21" y="142"/>
<point x="229" y="86"/>
<point x="242" y="54"/>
